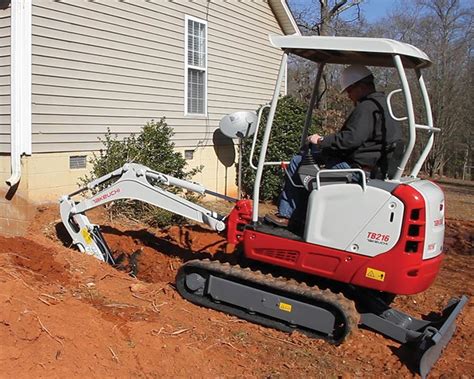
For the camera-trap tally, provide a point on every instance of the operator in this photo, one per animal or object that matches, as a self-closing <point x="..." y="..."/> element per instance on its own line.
<point x="362" y="141"/>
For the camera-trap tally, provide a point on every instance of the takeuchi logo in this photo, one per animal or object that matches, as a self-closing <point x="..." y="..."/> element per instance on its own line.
<point x="106" y="195"/>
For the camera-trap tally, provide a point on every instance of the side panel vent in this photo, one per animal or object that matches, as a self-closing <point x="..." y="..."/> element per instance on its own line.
<point x="281" y="255"/>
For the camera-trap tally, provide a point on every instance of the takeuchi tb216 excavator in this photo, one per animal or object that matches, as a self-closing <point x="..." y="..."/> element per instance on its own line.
<point x="361" y="243"/>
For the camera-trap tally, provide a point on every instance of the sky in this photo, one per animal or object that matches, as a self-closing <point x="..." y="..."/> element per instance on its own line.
<point x="375" y="10"/>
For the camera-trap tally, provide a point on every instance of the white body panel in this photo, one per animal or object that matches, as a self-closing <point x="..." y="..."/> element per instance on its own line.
<point x="345" y="217"/>
<point x="434" y="230"/>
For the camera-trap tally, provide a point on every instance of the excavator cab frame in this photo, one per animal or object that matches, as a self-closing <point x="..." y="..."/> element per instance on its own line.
<point x="375" y="52"/>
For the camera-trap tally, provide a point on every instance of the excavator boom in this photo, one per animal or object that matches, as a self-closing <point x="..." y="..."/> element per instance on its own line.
<point x="132" y="182"/>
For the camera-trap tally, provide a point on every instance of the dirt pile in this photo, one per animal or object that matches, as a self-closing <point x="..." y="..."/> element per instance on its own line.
<point x="64" y="314"/>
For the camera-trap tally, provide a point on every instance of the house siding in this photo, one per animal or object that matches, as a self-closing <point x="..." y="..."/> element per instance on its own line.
<point x="5" y="81"/>
<point x="117" y="65"/>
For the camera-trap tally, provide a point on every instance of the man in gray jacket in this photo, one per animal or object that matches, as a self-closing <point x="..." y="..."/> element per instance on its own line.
<point x="362" y="141"/>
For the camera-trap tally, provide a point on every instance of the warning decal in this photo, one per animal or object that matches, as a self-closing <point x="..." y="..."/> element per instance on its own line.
<point x="86" y="235"/>
<point x="372" y="273"/>
<point x="285" y="307"/>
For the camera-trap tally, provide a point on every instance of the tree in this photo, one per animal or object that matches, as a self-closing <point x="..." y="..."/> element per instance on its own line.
<point x="323" y="18"/>
<point x="442" y="29"/>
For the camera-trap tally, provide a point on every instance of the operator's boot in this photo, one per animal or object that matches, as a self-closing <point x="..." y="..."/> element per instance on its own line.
<point x="277" y="220"/>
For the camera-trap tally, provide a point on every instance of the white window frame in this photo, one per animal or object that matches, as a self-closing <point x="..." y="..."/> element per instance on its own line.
<point x="187" y="66"/>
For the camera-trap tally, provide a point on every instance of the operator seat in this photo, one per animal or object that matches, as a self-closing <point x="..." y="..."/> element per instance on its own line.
<point x="387" y="165"/>
<point x="308" y="169"/>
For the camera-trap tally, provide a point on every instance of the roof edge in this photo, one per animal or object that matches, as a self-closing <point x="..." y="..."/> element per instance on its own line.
<point x="284" y="16"/>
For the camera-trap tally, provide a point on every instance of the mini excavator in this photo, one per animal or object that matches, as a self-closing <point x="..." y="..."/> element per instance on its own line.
<point x="363" y="242"/>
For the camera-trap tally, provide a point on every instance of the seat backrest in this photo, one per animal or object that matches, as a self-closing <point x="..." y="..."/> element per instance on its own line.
<point x="387" y="165"/>
<point x="394" y="158"/>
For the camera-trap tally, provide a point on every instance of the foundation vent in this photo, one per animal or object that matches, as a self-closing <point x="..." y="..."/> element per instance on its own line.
<point x="77" y="162"/>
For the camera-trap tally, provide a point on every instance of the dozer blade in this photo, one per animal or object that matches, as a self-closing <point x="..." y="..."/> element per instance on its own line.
<point x="426" y="338"/>
<point x="435" y="340"/>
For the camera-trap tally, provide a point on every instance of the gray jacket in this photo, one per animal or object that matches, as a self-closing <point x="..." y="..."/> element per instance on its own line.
<point x="365" y="134"/>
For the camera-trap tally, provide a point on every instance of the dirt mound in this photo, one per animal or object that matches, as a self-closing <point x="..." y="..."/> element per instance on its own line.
<point x="38" y="260"/>
<point x="64" y="314"/>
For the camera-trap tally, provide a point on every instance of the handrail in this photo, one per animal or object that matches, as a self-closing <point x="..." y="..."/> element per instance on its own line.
<point x="266" y="138"/>
<point x="363" y="181"/>
<point x="254" y="140"/>
<point x="429" y="127"/>
<point x="389" y="105"/>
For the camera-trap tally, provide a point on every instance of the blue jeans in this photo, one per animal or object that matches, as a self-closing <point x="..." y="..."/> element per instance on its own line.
<point x="294" y="198"/>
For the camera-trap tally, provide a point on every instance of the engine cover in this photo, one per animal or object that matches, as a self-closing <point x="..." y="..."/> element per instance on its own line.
<point x="347" y="217"/>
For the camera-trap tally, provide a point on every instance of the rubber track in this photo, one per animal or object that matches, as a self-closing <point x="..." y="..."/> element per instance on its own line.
<point x="290" y="288"/>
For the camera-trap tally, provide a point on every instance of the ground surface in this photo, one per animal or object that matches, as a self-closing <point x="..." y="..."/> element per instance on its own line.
<point x="64" y="314"/>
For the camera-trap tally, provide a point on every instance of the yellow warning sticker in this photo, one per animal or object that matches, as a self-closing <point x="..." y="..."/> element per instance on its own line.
<point x="372" y="273"/>
<point x="86" y="235"/>
<point x="285" y="307"/>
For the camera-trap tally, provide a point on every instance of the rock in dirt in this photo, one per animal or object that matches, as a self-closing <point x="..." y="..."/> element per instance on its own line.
<point x="138" y="288"/>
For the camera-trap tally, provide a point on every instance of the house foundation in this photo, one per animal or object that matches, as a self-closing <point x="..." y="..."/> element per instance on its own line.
<point x="46" y="177"/>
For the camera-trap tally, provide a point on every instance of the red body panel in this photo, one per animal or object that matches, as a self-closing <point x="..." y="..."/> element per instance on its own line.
<point x="238" y="218"/>
<point x="401" y="270"/>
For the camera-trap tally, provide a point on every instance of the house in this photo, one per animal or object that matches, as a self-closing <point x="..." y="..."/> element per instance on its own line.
<point x="70" y="69"/>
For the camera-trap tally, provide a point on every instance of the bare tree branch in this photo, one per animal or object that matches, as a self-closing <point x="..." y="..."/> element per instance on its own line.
<point x="336" y="7"/>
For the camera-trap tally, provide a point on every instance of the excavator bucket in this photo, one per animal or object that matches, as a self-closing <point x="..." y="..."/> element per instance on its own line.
<point x="434" y="340"/>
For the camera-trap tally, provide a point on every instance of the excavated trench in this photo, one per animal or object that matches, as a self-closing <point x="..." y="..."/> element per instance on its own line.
<point x="156" y="258"/>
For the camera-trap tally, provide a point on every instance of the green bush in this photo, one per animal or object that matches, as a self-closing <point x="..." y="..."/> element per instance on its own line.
<point x="285" y="141"/>
<point x="153" y="148"/>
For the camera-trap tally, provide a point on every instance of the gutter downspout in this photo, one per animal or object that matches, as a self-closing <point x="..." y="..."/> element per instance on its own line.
<point x="20" y="75"/>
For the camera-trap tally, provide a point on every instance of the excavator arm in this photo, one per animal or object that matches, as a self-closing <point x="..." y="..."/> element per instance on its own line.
<point x="133" y="182"/>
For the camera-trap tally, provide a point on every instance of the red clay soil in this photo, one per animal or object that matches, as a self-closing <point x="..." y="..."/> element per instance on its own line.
<point x="64" y="314"/>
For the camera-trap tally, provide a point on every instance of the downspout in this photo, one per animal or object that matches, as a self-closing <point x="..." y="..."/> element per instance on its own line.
<point x="20" y="132"/>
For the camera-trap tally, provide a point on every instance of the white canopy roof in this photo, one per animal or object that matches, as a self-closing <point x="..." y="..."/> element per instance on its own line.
<point x="352" y="50"/>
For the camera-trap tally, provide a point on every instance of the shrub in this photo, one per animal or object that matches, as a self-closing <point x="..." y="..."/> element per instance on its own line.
<point x="285" y="141"/>
<point x="153" y="148"/>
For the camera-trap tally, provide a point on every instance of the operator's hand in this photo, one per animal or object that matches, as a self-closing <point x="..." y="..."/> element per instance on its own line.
<point x="314" y="139"/>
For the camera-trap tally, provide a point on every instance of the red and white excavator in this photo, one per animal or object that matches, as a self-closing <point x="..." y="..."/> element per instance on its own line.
<point x="361" y="242"/>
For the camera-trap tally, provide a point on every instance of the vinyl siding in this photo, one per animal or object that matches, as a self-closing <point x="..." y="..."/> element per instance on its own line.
<point x="5" y="81"/>
<point x="110" y="64"/>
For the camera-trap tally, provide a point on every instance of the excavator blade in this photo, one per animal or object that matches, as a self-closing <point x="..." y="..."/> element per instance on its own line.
<point x="424" y="338"/>
<point x="431" y="347"/>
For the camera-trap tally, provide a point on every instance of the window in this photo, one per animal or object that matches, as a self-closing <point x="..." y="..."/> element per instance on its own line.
<point x="196" y="67"/>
